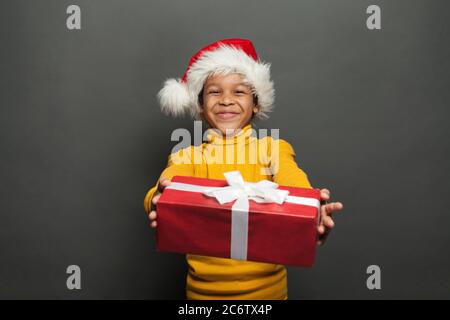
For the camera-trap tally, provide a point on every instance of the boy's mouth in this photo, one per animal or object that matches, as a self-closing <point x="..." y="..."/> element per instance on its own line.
<point x="227" y="115"/>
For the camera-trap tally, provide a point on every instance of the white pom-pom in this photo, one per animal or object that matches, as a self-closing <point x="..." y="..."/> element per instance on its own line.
<point x="174" y="98"/>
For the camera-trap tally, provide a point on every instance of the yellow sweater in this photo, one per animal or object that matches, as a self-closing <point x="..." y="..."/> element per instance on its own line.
<point x="219" y="278"/>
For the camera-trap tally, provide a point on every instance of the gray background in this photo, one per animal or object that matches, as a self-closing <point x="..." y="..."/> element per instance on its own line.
<point x="82" y="138"/>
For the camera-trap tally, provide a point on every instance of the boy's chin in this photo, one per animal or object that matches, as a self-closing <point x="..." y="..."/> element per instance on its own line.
<point x="230" y="127"/>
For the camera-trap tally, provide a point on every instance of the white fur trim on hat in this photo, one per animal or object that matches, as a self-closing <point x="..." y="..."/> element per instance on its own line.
<point x="177" y="98"/>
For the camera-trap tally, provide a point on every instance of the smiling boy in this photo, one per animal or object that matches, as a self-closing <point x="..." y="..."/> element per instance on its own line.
<point x="227" y="86"/>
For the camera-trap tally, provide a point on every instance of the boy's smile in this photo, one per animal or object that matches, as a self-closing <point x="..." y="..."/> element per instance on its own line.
<point x="228" y="102"/>
<point x="226" y="115"/>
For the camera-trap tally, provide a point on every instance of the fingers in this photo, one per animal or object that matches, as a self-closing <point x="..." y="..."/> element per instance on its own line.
<point x="163" y="183"/>
<point x="325" y="195"/>
<point x="326" y="211"/>
<point x="321" y="229"/>
<point x="326" y="219"/>
<point x="156" y="198"/>
<point x="326" y="225"/>
<point x="328" y="222"/>
<point x="329" y="208"/>
<point x="152" y="217"/>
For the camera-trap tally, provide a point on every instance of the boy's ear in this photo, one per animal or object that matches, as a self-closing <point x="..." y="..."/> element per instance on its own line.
<point x="256" y="109"/>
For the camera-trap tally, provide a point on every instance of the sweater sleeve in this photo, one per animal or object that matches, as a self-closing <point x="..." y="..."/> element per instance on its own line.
<point x="179" y="164"/>
<point x="285" y="168"/>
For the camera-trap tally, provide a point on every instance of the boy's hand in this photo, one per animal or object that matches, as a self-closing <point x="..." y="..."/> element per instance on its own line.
<point x="163" y="183"/>
<point x="326" y="212"/>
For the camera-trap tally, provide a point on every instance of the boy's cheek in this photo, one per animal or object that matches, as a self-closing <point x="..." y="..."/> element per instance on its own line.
<point x="208" y="106"/>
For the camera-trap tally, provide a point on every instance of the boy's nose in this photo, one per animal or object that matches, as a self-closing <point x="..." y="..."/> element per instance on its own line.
<point x="226" y="100"/>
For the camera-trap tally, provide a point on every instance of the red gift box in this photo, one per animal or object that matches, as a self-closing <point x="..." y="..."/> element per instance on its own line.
<point x="194" y="223"/>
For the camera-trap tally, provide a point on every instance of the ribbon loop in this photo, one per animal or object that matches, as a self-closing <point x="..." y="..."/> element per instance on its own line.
<point x="264" y="191"/>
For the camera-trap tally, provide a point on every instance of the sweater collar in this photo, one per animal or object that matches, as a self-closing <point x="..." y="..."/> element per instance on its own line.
<point x="216" y="137"/>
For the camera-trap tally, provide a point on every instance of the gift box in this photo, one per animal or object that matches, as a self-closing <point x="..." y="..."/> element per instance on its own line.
<point x="231" y="218"/>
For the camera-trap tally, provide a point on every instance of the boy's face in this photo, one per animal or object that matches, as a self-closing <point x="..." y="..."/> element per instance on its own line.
<point x="227" y="102"/>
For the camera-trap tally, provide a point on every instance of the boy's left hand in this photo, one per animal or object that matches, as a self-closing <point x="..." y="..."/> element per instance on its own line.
<point x="326" y="212"/>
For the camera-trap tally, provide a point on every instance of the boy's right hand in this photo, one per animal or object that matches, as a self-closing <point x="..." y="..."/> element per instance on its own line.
<point x="163" y="183"/>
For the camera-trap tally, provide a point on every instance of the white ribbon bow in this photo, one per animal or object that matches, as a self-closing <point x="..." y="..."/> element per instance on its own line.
<point x="264" y="191"/>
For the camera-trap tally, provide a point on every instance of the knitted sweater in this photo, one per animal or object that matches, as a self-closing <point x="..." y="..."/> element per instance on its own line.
<point x="256" y="159"/>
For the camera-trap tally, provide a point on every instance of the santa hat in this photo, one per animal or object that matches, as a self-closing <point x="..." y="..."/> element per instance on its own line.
<point x="180" y="96"/>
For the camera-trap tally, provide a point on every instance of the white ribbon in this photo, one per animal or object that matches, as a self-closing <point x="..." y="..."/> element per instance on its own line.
<point x="264" y="191"/>
<point x="241" y="192"/>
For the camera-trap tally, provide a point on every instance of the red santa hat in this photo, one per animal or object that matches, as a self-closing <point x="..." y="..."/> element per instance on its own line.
<point x="180" y="96"/>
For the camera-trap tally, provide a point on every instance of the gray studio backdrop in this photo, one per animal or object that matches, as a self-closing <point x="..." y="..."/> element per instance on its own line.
<point x="82" y="138"/>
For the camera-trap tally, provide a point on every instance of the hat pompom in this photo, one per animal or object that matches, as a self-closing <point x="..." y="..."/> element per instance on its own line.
<point x="174" y="98"/>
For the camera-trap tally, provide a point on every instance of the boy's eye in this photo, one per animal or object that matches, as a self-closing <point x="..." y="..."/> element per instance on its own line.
<point x="213" y="91"/>
<point x="240" y="92"/>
